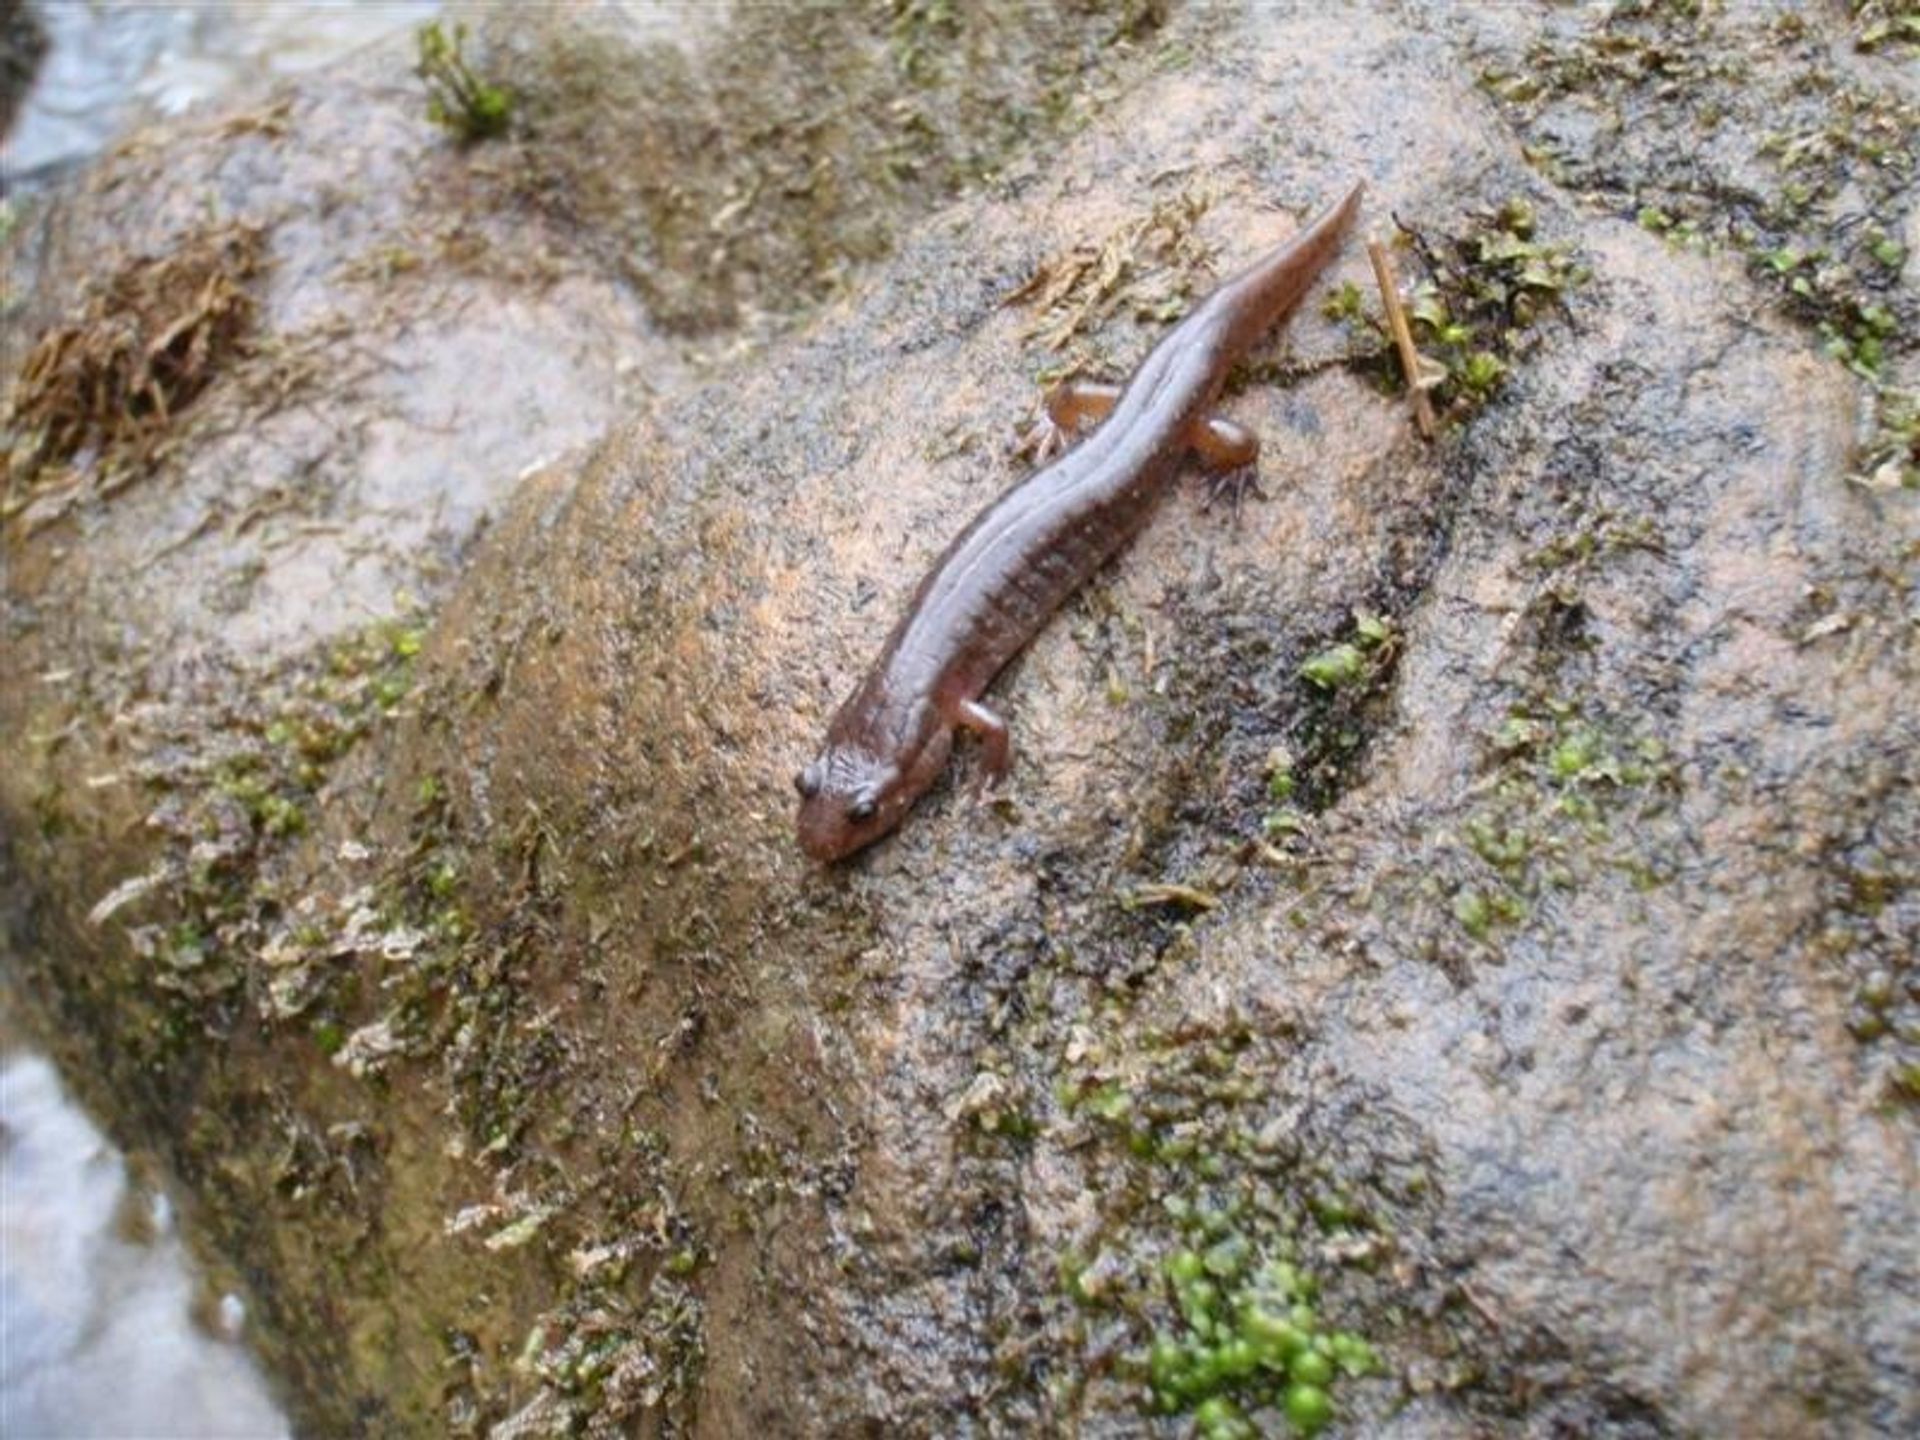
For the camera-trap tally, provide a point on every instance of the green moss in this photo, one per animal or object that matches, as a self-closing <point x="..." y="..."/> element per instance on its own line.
<point x="1563" y="777"/>
<point x="1479" y="287"/>
<point x="1108" y="1102"/>
<point x="1480" y="372"/>
<point x="1475" y="915"/>
<point x="1202" y="1258"/>
<point x="682" y="1263"/>
<point x="1598" y="534"/>
<point x="1343" y="690"/>
<point x="1334" y="667"/>
<point x="1370" y="631"/>
<point x="1309" y="1408"/>
<point x="1344" y="303"/>
<point x="1886" y="25"/>
<point x="1831" y="154"/>
<point x="1249" y="1340"/>
<point x="458" y="100"/>
<point x="1280" y="781"/>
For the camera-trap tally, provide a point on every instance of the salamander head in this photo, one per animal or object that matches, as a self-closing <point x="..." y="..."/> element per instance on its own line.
<point x="848" y="799"/>
<point x="850" y="795"/>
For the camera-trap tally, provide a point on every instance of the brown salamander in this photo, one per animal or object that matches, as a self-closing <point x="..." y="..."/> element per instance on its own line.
<point x="1007" y="572"/>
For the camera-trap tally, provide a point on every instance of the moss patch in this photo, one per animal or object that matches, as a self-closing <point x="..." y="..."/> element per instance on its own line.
<point x="1564" y="779"/>
<point x="1726" y="128"/>
<point x="1480" y="285"/>
<point x="459" y="101"/>
<point x="1245" y="1239"/>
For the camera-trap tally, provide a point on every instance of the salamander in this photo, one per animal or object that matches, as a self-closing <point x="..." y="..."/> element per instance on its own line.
<point x="997" y="584"/>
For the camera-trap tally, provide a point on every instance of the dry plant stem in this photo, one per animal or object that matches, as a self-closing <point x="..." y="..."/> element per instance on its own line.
<point x="1402" y="334"/>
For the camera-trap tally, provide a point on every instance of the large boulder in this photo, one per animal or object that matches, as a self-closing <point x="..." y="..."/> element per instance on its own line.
<point x="1465" y="896"/>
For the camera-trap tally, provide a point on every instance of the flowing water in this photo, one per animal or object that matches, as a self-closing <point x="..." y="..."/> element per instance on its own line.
<point x="104" y="1331"/>
<point x="109" y="66"/>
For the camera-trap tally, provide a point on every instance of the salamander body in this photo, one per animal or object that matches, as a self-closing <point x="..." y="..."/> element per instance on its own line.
<point x="1005" y="575"/>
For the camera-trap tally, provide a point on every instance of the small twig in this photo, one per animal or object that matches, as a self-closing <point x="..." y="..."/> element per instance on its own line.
<point x="1187" y="896"/>
<point x="1402" y="335"/>
<point x="1480" y="1307"/>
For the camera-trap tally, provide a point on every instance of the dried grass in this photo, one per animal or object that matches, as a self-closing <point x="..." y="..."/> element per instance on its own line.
<point x="141" y="347"/>
<point x="1148" y="263"/>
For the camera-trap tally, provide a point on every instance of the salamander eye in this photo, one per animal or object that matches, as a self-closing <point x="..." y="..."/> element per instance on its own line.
<point x="807" y="782"/>
<point x="865" y="808"/>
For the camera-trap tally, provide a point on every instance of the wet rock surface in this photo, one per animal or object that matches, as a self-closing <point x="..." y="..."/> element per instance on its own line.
<point x="1465" y="900"/>
<point x="22" y="43"/>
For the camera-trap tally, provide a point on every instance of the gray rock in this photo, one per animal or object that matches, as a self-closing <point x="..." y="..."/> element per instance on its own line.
<point x="1560" y="1024"/>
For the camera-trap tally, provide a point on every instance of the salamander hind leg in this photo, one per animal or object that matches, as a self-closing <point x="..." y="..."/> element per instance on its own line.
<point x="1069" y="405"/>
<point x="1230" y="454"/>
<point x="996" y="746"/>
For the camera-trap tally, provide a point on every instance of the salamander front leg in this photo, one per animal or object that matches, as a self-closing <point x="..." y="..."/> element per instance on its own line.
<point x="996" y="748"/>
<point x="1069" y="405"/>
<point x="1228" y="452"/>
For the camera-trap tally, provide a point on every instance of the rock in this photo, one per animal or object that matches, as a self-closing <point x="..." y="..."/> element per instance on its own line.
<point x="1550" y="1030"/>
<point x="22" y="43"/>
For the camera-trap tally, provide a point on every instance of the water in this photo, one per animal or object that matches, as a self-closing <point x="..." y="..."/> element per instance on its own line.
<point x="110" y="66"/>
<point x="98" y="1298"/>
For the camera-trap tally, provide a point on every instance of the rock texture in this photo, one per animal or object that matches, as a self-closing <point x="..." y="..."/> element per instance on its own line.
<point x="1539" y="984"/>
